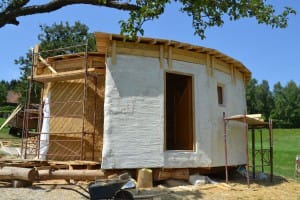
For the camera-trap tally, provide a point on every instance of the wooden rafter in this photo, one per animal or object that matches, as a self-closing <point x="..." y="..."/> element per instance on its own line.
<point x="47" y="64"/>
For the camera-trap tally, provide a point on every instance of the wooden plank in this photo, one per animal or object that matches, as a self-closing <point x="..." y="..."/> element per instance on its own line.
<point x="102" y="42"/>
<point x="74" y="162"/>
<point x="36" y="53"/>
<point x="161" y="56"/>
<point x="47" y="64"/>
<point x="69" y="75"/>
<point x="233" y="76"/>
<point x="137" y="49"/>
<point x="170" y="59"/>
<point x="188" y="56"/>
<point x="71" y="174"/>
<point x="138" y="52"/>
<point x="114" y="52"/>
<point x="208" y="65"/>
<point x="35" y="59"/>
<point x="164" y="174"/>
<point x="213" y="65"/>
<point x="73" y="63"/>
<point x="68" y="64"/>
<point x="222" y="66"/>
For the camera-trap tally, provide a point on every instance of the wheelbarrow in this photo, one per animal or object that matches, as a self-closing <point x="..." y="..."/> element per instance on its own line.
<point x="109" y="189"/>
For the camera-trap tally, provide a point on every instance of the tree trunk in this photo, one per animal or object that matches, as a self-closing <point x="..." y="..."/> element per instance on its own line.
<point x="17" y="173"/>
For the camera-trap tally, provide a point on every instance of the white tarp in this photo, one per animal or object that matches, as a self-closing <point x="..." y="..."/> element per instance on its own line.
<point x="44" y="139"/>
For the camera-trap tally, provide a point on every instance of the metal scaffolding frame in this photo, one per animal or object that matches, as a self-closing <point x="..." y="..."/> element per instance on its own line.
<point x="252" y="124"/>
<point x="265" y="153"/>
<point x="31" y="139"/>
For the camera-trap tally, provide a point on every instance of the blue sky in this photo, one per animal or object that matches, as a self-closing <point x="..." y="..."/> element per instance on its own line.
<point x="271" y="54"/>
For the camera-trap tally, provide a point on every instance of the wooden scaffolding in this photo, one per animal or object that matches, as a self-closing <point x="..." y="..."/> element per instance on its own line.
<point x="72" y="89"/>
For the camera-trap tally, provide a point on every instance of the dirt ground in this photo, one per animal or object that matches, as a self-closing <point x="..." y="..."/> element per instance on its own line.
<point x="262" y="190"/>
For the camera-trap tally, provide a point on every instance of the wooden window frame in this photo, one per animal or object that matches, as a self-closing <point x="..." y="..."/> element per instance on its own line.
<point x="193" y="110"/>
<point x="221" y="94"/>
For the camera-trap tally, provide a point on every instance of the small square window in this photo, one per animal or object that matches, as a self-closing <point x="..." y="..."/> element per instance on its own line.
<point x="220" y="91"/>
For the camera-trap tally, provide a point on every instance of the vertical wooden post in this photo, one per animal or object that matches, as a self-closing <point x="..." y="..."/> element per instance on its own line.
<point x="161" y="56"/>
<point x="170" y="59"/>
<point x="114" y="52"/>
<point x="95" y="116"/>
<point x="261" y="151"/>
<point x="271" y="148"/>
<point x="212" y="65"/>
<point x="233" y="76"/>
<point x="208" y="64"/>
<point x="246" y="148"/>
<point x="225" y="148"/>
<point x="253" y="152"/>
<point x="36" y="55"/>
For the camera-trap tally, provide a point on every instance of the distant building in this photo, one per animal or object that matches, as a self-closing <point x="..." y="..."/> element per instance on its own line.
<point x="13" y="97"/>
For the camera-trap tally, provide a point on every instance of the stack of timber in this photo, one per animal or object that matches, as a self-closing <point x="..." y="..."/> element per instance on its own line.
<point x="36" y="170"/>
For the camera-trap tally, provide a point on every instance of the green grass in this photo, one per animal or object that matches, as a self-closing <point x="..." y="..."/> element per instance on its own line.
<point x="4" y="132"/>
<point x="286" y="145"/>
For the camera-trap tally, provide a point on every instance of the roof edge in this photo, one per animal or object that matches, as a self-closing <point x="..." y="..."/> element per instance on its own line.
<point x="180" y="45"/>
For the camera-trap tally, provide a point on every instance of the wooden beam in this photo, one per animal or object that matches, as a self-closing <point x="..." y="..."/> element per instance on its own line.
<point x="47" y="64"/>
<point x="114" y="52"/>
<point x="35" y="59"/>
<point x="154" y="41"/>
<point x="188" y="56"/>
<point x="161" y="56"/>
<point x="164" y="174"/>
<point x="17" y="173"/>
<point x="70" y="75"/>
<point x="137" y="49"/>
<point x="138" y="40"/>
<point x="233" y="76"/>
<point x="179" y="45"/>
<point x="170" y="59"/>
<point x="208" y="65"/>
<point x="212" y="64"/>
<point x="35" y="55"/>
<point x="71" y="174"/>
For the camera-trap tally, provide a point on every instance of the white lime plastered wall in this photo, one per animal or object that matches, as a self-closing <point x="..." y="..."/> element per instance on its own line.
<point x="134" y="116"/>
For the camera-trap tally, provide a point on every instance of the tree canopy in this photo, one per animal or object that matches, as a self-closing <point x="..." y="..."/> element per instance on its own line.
<point x="282" y="104"/>
<point x="3" y="92"/>
<point x="204" y="13"/>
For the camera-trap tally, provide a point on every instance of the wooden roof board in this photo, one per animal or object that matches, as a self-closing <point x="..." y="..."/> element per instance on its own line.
<point x="179" y="45"/>
<point x="70" y="75"/>
<point x="73" y="55"/>
<point x="250" y="119"/>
